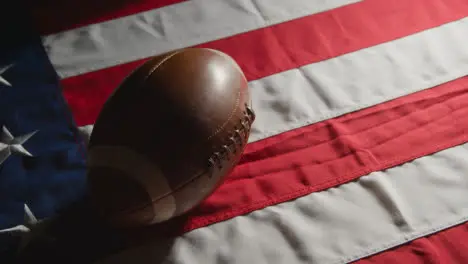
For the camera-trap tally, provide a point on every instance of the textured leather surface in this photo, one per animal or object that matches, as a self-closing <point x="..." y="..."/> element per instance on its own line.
<point x="186" y="112"/>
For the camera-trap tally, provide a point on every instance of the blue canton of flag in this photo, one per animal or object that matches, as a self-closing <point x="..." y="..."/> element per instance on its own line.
<point x="42" y="162"/>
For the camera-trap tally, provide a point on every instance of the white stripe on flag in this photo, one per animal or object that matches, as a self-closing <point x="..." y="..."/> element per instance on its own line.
<point x="364" y="78"/>
<point x="146" y="34"/>
<point x="339" y="225"/>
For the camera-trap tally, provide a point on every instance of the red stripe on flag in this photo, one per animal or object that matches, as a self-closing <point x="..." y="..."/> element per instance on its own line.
<point x="52" y="16"/>
<point x="448" y="246"/>
<point x="288" y="45"/>
<point x="339" y="150"/>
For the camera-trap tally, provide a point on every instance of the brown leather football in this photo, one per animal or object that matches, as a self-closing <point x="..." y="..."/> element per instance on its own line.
<point x="168" y="136"/>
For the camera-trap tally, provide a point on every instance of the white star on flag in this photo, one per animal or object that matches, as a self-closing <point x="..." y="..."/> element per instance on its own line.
<point x="2" y="71"/>
<point x="34" y="228"/>
<point x="29" y="220"/>
<point x="29" y="230"/>
<point x="10" y="144"/>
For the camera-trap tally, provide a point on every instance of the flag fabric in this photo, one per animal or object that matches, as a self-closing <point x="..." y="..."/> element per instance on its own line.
<point x="358" y="153"/>
<point x="42" y="165"/>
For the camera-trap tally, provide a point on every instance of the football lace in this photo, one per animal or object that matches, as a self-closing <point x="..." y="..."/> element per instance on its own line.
<point x="234" y="141"/>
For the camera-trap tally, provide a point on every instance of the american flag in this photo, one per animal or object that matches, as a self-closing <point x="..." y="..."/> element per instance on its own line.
<point x="358" y="152"/>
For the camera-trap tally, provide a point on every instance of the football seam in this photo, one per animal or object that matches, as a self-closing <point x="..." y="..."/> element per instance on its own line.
<point x="155" y="67"/>
<point x="233" y="111"/>
<point x="245" y="126"/>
